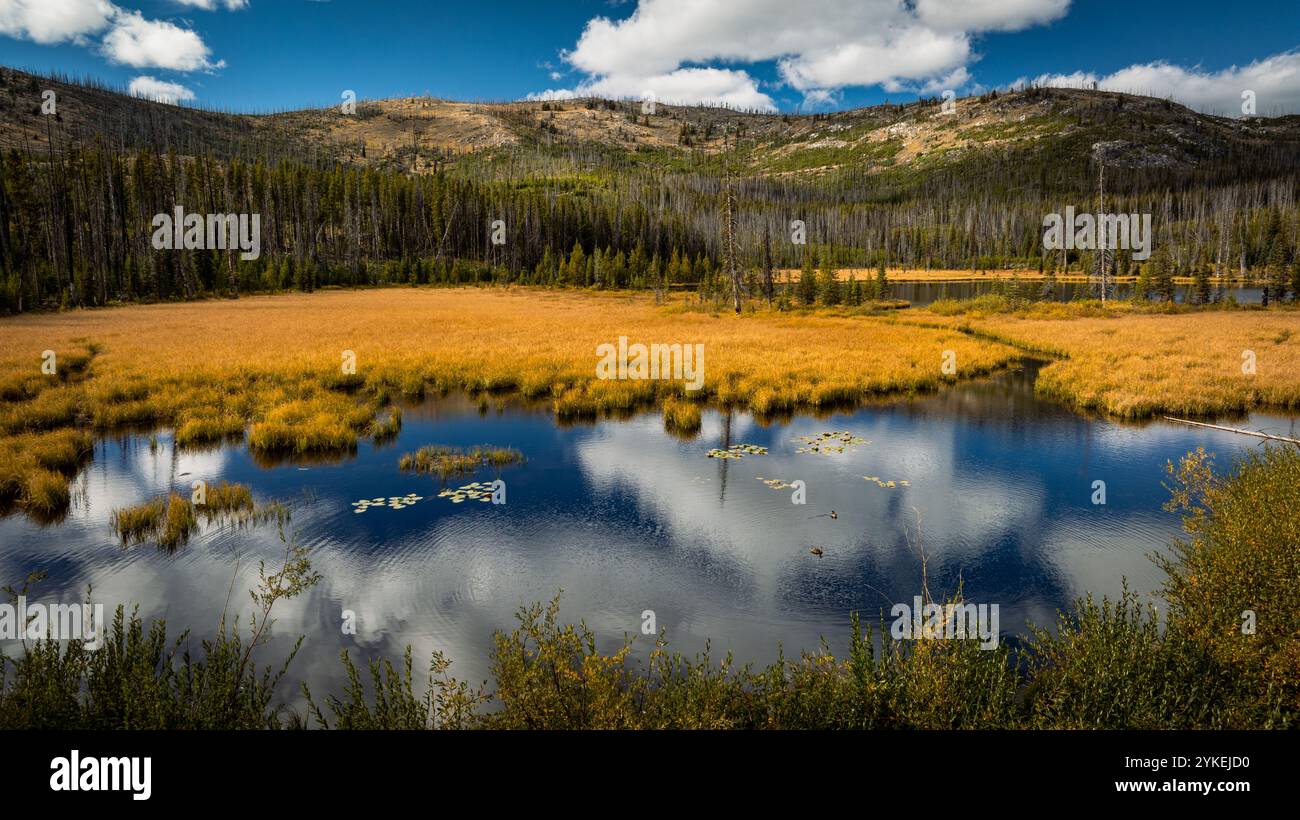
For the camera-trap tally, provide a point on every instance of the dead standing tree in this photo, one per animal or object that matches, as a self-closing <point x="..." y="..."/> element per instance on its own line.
<point x="767" y="265"/>
<point x="730" y="252"/>
<point x="1104" y="255"/>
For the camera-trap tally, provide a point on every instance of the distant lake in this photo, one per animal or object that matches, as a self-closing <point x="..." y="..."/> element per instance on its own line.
<point x="921" y="294"/>
<point x="624" y="518"/>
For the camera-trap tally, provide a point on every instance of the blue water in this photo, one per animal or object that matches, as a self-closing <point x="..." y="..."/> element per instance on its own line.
<point x="920" y="294"/>
<point x="624" y="517"/>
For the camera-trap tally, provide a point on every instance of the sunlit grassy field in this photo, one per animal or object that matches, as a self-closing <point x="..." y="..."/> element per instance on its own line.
<point x="272" y="368"/>
<point x="1133" y="364"/>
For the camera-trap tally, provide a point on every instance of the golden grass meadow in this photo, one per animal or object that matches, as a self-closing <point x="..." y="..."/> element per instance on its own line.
<point x="273" y="368"/>
<point x="1133" y="363"/>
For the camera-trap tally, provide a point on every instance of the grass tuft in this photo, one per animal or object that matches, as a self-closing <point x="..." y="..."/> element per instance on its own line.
<point x="169" y="520"/>
<point x="681" y="416"/>
<point x="447" y="461"/>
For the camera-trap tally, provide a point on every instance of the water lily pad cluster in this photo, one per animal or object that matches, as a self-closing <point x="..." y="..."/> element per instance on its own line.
<point x="775" y="483"/>
<point x="478" y="491"/>
<point x="738" y="451"/>
<point x="827" y="443"/>
<point x="889" y="485"/>
<point x="393" y="502"/>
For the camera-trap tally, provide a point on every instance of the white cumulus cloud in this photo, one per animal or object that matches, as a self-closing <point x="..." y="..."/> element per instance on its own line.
<point x="989" y="15"/>
<point x="54" y="21"/>
<point x="149" y="88"/>
<point x="818" y="45"/>
<point x="211" y="5"/>
<point x="1274" y="81"/>
<point x="705" y="86"/>
<point x="142" y="43"/>
<point x="128" y="36"/>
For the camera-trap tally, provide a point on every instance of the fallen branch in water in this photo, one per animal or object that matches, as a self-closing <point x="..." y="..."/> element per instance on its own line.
<point x="1234" y="430"/>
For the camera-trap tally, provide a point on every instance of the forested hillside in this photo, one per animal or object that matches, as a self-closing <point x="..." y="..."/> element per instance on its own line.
<point x="595" y="193"/>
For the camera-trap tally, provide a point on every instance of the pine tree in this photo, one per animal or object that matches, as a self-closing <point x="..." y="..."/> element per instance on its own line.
<point x="828" y="285"/>
<point x="882" y="282"/>
<point x="1162" y="277"/>
<point x="636" y="266"/>
<point x="1278" y="278"/>
<point x="545" y="271"/>
<point x="1201" y="285"/>
<point x="618" y="271"/>
<point x="655" y="273"/>
<point x="674" y="271"/>
<point x="577" y="265"/>
<point x="1143" y="288"/>
<point x="807" y="288"/>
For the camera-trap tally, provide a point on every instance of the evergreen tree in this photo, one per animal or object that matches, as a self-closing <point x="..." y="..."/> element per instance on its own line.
<point x="1144" y="286"/>
<point x="577" y="265"/>
<point x="1163" y="277"/>
<point x="636" y="266"/>
<point x="545" y="271"/>
<point x="806" y="290"/>
<point x="1201" y="285"/>
<point x="1278" y="276"/>
<point x="828" y="285"/>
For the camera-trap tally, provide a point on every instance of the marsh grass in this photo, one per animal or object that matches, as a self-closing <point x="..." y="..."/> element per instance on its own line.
<point x="63" y="451"/>
<point x="26" y="381"/>
<point x="176" y="523"/>
<point x="298" y="405"/>
<point x="196" y="430"/>
<point x="45" y="494"/>
<point x="385" y="430"/>
<point x="308" y="426"/>
<point x="35" y="469"/>
<point x="1137" y="362"/>
<point x="224" y="498"/>
<point x="138" y="523"/>
<point x="20" y="387"/>
<point x="681" y="417"/>
<point x="1118" y="359"/>
<point x="170" y="520"/>
<point x="447" y="461"/>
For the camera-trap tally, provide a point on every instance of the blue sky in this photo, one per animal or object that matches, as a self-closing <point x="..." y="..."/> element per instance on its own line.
<point x="258" y="55"/>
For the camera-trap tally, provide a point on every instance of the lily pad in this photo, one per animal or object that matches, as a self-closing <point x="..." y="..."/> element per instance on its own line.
<point x="393" y="502"/>
<point x="830" y="443"/>
<point x="889" y="485"/>
<point x="737" y="451"/>
<point x="477" y="491"/>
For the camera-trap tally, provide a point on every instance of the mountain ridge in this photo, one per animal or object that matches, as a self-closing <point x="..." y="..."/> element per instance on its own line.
<point x="423" y="134"/>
